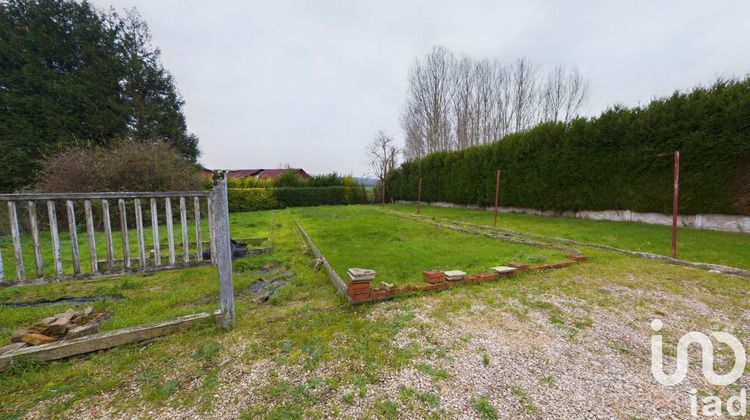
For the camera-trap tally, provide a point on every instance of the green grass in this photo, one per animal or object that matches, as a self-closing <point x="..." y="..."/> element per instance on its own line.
<point x="399" y="249"/>
<point x="725" y="248"/>
<point x="256" y="226"/>
<point x="307" y="353"/>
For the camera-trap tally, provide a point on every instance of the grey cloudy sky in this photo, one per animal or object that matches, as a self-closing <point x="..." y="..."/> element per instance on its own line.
<point x="309" y="83"/>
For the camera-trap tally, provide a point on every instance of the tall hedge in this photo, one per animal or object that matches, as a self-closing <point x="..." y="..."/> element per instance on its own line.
<point x="254" y="199"/>
<point x="609" y="162"/>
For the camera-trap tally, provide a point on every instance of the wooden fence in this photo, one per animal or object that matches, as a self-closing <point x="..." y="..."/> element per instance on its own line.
<point x="218" y="222"/>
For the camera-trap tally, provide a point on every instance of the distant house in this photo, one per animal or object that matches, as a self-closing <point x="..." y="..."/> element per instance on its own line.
<point x="261" y="173"/>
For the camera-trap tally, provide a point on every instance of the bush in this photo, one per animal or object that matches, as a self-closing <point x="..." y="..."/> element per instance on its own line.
<point x="255" y="199"/>
<point x="607" y="162"/>
<point x="126" y="166"/>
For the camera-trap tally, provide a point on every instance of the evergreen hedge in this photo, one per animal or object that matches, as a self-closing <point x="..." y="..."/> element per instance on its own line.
<point x="254" y="199"/>
<point x="605" y="163"/>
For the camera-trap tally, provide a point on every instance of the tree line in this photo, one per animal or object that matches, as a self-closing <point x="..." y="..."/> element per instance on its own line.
<point x="612" y="162"/>
<point x="454" y="103"/>
<point x="73" y="75"/>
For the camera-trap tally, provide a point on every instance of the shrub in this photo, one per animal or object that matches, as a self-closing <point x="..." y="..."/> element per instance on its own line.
<point x="251" y="199"/>
<point x="126" y="166"/>
<point x="289" y="179"/>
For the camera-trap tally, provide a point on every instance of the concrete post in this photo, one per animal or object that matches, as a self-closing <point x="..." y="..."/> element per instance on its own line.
<point x="220" y="212"/>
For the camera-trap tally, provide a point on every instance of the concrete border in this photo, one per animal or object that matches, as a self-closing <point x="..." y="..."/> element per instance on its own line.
<point x="719" y="222"/>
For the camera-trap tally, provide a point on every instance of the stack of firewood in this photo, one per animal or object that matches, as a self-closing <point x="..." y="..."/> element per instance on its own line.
<point x="67" y="325"/>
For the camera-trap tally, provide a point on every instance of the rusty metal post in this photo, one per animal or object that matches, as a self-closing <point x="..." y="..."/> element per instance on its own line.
<point x="419" y="195"/>
<point x="497" y="191"/>
<point x="675" y="200"/>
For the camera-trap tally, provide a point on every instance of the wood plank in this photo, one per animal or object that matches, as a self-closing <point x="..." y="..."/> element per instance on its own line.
<point x="198" y="239"/>
<point x="124" y="233"/>
<point x="108" y="235"/>
<point x="100" y="275"/>
<point x="170" y="229"/>
<point x="90" y="235"/>
<point x="103" y="340"/>
<point x="55" y="236"/>
<point x="73" y="233"/>
<point x="139" y="233"/>
<point x="211" y="230"/>
<point x="34" y="224"/>
<point x="102" y="195"/>
<point x="183" y="223"/>
<point x="13" y="215"/>
<point x="155" y="232"/>
<point x="223" y="251"/>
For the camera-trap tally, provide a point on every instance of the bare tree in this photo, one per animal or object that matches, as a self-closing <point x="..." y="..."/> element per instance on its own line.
<point x="564" y="95"/>
<point x="427" y="118"/>
<point x="382" y="155"/>
<point x="453" y="104"/>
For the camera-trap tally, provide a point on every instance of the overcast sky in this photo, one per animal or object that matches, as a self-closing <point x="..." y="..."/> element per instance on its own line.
<point x="309" y="83"/>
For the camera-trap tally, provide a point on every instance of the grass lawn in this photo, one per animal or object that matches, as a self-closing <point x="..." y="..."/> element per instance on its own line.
<point x="243" y="228"/>
<point x="725" y="248"/>
<point x="563" y="343"/>
<point x="399" y="250"/>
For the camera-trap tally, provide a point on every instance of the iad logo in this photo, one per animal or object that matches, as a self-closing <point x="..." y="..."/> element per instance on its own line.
<point x="712" y="404"/>
<point x="707" y="348"/>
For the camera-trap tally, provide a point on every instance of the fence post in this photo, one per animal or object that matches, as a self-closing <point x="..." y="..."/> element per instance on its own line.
<point x="497" y="191"/>
<point x="419" y="196"/>
<point x="223" y="248"/>
<point x="675" y="199"/>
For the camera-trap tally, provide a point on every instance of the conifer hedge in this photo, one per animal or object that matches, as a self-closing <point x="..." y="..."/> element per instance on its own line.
<point x="608" y="162"/>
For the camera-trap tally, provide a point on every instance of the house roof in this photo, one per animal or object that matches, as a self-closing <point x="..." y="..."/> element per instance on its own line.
<point x="263" y="173"/>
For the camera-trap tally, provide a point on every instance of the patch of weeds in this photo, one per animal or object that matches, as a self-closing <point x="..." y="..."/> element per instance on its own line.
<point x="619" y="348"/>
<point x="286" y="411"/>
<point x="548" y="380"/>
<point x="279" y="388"/>
<point x="386" y="409"/>
<point x="14" y="416"/>
<point x="523" y="399"/>
<point x="148" y="376"/>
<point x="484" y="407"/>
<point x="301" y="393"/>
<point x="348" y="398"/>
<point x="583" y="322"/>
<point x="485" y="359"/>
<point x="314" y="383"/>
<point x="633" y="326"/>
<point x="206" y="353"/>
<point x="435" y="373"/>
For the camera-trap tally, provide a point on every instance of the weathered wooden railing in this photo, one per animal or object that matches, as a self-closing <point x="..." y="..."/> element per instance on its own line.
<point x="218" y="223"/>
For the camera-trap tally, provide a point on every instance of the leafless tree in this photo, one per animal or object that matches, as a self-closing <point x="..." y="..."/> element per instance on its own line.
<point x="564" y="95"/>
<point x="382" y="155"/>
<point x="453" y="104"/>
<point x="427" y="118"/>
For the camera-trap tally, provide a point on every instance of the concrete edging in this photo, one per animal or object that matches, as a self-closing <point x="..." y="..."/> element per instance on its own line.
<point x="719" y="222"/>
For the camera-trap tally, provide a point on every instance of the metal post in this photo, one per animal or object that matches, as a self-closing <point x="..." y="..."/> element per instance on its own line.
<point x="675" y="199"/>
<point x="419" y="196"/>
<point x="223" y="248"/>
<point x="497" y="191"/>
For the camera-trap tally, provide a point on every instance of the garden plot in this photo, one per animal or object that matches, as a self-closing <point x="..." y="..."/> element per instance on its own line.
<point x="400" y="250"/>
